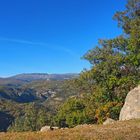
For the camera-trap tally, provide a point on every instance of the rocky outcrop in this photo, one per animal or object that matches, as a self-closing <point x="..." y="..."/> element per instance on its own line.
<point x="109" y="121"/>
<point x="131" y="108"/>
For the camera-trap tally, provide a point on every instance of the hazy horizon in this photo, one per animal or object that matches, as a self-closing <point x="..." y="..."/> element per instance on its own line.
<point x="34" y="73"/>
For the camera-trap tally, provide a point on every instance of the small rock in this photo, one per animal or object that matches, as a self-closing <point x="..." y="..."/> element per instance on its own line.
<point x="48" y="128"/>
<point x="45" y="128"/>
<point x="109" y="121"/>
<point x="54" y="128"/>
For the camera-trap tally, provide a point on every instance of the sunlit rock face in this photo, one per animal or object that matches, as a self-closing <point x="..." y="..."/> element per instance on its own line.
<point x="131" y="108"/>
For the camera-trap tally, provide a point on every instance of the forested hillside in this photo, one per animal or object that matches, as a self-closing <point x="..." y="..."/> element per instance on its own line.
<point x="92" y="97"/>
<point x="38" y="96"/>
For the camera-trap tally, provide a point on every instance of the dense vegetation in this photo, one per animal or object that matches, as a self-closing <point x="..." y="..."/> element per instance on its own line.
<point x="97" y="93"/>
<point x="114" y="72"/>
<point x="35" y="116"/>
<point x="30" y="106"/>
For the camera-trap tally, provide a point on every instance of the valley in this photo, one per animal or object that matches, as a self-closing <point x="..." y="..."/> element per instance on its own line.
<point x="22" y="90"/>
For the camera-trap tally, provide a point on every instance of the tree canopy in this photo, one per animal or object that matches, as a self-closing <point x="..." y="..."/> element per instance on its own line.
<point x="115" y="68"/>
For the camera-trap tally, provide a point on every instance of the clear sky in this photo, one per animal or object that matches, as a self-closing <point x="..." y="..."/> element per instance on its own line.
<point x="51" y="36"/>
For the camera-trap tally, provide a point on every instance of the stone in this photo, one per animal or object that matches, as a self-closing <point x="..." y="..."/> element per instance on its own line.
<point x="45" y="128"/>
<point x="54" y="128"/>
<point x="131" y="108"/>
<point x="109" y="121"/>
<point x="48" y="128"/>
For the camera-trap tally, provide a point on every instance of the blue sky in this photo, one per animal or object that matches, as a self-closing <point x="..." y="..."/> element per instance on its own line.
<point x="51" y="36"/>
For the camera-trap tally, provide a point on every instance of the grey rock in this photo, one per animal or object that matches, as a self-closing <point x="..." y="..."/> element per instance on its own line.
<point x="109" y="121"/>
<point x="131" y="108"/>
<point x="54" y="128"/>
<point x="45" y="128"/>
<point x="48" y="128"/>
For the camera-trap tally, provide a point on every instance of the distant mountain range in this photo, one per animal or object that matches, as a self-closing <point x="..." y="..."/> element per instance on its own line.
<point x="43" y="76"/>
<point x="32" y="87"/>
<point x="30" y="77"/>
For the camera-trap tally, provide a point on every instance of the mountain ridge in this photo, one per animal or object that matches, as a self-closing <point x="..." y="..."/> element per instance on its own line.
<point x="43" y="76"/>
<point x="24" y="78"/>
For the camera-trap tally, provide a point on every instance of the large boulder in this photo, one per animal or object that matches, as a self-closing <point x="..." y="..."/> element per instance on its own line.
<point x="131" y="108"/>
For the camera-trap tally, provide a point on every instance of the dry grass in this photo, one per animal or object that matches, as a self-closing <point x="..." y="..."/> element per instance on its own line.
<point x="128" y="130"/>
